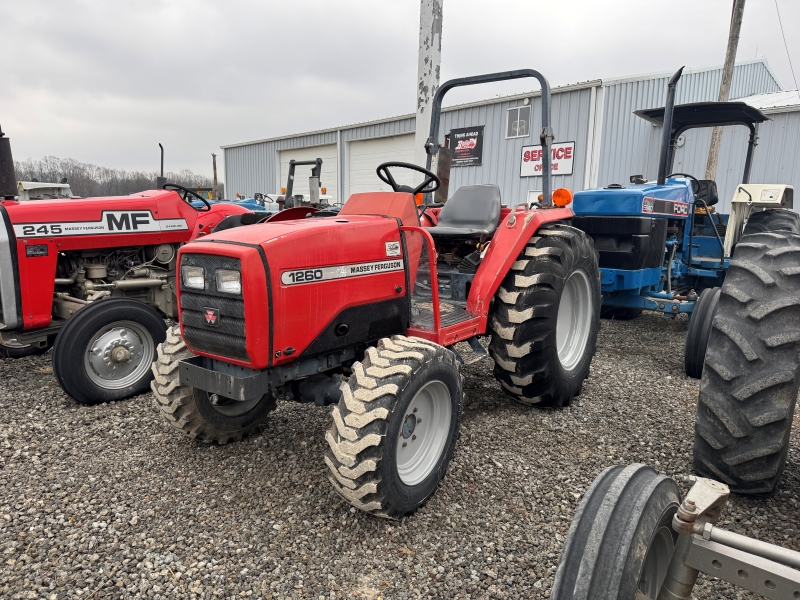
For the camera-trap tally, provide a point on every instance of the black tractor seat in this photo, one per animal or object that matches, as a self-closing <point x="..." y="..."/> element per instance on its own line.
<point x="473" y="211"/>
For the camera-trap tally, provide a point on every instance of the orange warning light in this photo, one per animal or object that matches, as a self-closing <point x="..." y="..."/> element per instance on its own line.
<point x="562" y="197"/>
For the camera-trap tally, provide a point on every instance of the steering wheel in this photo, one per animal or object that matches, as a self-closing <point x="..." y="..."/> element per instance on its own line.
<point x="259" y="198"/>
<point x="430" y="178"/>
<point x="695" y="182"/>
<point x="188" y="192"/>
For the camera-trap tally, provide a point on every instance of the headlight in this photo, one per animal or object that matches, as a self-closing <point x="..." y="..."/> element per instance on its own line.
<point x="193" y="277"/>
<point x="229" y="282"/>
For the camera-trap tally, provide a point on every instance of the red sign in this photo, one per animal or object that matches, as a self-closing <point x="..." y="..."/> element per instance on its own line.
<point x="563" y="154"/>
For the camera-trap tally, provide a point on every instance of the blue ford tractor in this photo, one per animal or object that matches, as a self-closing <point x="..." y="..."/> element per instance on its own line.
<point x="663" y="246"/>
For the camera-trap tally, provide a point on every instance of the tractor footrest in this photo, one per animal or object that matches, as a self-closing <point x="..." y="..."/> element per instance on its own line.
<point x="422" y="316"/>
<point x="475" y="354"/>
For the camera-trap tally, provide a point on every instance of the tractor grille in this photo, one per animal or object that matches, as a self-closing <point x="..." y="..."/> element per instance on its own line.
<point x="228" y="338"/>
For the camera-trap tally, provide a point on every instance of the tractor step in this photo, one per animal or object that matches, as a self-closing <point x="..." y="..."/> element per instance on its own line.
<point x="476" y="353"/>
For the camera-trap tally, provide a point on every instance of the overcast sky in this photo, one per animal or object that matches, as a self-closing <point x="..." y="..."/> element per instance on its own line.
<point x="105" y="81"/>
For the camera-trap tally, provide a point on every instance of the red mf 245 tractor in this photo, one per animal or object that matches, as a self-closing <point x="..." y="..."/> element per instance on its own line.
<point x="363" y="310"/>
<point x="95" y="277"/>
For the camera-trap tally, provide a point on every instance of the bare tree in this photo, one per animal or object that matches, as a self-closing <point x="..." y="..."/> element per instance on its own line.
<point x="90" y="180"/>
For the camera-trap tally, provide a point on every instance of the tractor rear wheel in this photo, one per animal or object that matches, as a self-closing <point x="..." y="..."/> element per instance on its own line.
<point x="621" y="539"/>
<point x="105" y="350"/>
<point x="546" y="318"/>
<point x="200" y="415"/>
<point x="752" y="367"/>
<point x="772" y="220"/>
<point x="396" y="426"/>
<point x="699" y="329"/>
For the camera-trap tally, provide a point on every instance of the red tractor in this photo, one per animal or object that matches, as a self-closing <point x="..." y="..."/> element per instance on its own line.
<point x="59" y="258"/>
<point x="363" y="310"/>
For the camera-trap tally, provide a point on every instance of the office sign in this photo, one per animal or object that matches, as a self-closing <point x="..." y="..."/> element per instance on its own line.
<point x="563" y="155"/>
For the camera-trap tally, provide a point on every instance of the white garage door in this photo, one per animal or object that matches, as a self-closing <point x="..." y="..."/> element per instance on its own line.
<point x="366" y="155"/>
<point x="330" y="168"/>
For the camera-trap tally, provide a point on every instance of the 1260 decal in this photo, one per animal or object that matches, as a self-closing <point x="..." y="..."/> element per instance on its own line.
<point x="315" y="274"/>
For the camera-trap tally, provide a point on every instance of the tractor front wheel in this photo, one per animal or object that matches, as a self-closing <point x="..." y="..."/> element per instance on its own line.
<point x="396" y="426"/>
<point x="621" y="539"/>
<point x="546" y="318"/>
<point x="200" y="415"/>
<point x="752" y="367"/>
<point x="105" y="350"/>
<point x="699" y="329"/>
<point x="14" y="349"/>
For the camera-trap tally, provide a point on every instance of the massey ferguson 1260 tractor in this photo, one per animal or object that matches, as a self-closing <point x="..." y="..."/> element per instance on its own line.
<point x="363" y="311"/>
<point x="95" y="277"/>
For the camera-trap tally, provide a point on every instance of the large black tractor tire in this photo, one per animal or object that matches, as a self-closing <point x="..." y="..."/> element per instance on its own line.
<point x="699" y="329"/>
<point x="396" y="426"/>
<point x="202" y="416"/>
<point x="619" y="313"/>
<point x="772" y="220"/>
<point x="105" y="350"/>
<point x="17" y="350"/>
<point x="621" y="539"/>
<point x="752" y="368"/>
<point x="546" y="318"/>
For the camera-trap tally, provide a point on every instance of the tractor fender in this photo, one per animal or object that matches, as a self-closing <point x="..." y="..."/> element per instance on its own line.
<point x="208" y="220"/>
<point x="505" y="247"/>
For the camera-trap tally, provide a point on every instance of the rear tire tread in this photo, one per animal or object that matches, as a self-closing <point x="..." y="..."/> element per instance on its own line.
<point x="523" y="323"/>
<point x="749" y="390"/>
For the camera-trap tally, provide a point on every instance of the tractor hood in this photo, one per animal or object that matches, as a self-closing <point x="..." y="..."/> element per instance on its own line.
<point x="307" y="286"/>
<point x="150" y="217"/>
<point x="649" y="199"/>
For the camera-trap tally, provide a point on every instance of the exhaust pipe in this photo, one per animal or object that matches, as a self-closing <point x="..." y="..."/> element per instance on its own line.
<point x="665" y="160"/>
<point x="8" y="177"/>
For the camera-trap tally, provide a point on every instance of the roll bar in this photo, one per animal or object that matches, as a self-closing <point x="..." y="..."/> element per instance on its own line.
<point x="546" y="135"/>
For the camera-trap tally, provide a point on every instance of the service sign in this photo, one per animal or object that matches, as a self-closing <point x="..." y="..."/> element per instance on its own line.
<point x="467" y="146"/>
<point x="563" y="155"/>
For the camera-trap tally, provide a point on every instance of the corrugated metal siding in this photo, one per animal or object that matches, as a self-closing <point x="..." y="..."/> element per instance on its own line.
<point x="628" y="144"/>
<point x="502" y="157"/>
<point x="253" y="168"/>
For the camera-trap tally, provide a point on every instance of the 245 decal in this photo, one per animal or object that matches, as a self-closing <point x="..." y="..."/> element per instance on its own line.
<point x="111" y="222"/>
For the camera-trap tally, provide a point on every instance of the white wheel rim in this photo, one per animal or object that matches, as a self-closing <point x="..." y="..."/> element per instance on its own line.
<point x="574" y="320"/>
<point x="119" y="355"/>
<point x="656" y="563"/>
<point x="423" y="432"/>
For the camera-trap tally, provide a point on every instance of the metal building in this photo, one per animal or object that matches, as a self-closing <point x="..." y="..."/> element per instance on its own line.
<point x="601" y="140"/>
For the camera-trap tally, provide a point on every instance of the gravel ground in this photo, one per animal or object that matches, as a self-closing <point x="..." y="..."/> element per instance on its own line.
<point x="108" y="502"/>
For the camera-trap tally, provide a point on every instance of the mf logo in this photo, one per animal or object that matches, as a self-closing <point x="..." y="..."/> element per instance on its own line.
<point x="127" y="221"/>
<point x="211" y="316"/>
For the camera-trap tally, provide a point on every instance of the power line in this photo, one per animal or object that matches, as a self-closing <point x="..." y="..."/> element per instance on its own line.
<point x="787" y="47"/>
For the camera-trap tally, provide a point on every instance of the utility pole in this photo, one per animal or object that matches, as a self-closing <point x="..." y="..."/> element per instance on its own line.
<point x="429" y="61"/>
<point x="725" y="85"/>
<point x="216" y="186"/>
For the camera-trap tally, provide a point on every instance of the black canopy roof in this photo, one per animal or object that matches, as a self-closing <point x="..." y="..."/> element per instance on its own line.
<point x="706" y="114"/>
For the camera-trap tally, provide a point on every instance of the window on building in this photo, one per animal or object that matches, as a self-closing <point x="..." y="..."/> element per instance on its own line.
<point x="519" y="121"/>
